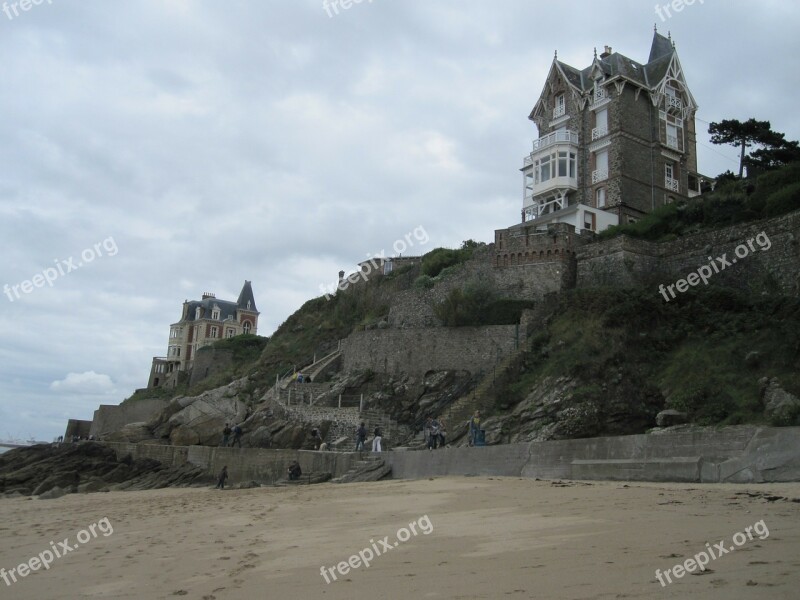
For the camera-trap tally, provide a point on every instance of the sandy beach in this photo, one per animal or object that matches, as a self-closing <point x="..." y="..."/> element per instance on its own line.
<point x="472" y="538"/>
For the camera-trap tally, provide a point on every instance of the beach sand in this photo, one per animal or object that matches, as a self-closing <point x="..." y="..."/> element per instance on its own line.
<point x="488" y="538"/>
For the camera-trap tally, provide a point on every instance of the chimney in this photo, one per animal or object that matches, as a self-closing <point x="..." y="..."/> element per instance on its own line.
<point x="341" y="275"/>
<point x="606" y="52"/>
<point x="207" y="295"/>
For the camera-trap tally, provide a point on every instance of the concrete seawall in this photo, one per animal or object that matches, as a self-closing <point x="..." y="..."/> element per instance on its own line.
<point x="742" y="454"/>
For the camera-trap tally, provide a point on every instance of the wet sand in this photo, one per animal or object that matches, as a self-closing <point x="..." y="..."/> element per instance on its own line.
<point x="485" y="537"/>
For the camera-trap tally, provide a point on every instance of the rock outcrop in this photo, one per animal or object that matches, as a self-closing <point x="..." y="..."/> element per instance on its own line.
<point x="52" y="470"/>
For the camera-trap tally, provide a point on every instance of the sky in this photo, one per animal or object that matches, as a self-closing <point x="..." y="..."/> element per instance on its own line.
<point x="153" y="150"/>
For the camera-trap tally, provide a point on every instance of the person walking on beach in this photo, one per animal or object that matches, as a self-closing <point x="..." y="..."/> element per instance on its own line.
<point x="226" y="434"/>
<point x="223" y="475"/>
<point x="474" y="427"/>
<point x="361" y="436"/>
<point x="376" y="441"/>
<point x="237" y="436"/>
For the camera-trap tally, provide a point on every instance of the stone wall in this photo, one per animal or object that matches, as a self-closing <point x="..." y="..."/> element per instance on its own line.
<point x="110" y="418"/>
<point x="83" y="429"/>
<point x="414" y="308"/>
<point x="624" y="261"/>
<point x="743" y="454"/>
<point x="417" y="351"/>
<point x="208" y="362"/>
<point x="244" y="464"/>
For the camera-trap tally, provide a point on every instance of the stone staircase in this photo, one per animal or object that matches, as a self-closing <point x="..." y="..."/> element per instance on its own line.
<point x="393" y="432"/>
<point x="370" y="467"/>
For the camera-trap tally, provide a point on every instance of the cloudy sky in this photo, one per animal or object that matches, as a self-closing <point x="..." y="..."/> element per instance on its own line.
<point x="172" y="147"/>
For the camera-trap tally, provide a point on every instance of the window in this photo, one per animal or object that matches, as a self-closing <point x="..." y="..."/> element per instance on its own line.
<point x="601" y="124"/>
<point x="560" y="107"/>
<point x="555" y="164"/>
<point x="672" y="136"/>
<point x="669" y="170"/>
<point x="589" y="220"/>
<point x="213" y="332"/>
<point x="388" y="267"/>
<point x="197" y="312"/>
<point x="246" y="326"/>
<point x="173" y="333"/>
<point x="215" y="313"/>
<point x="600" y="197"/>
<point x="601" y="167"/>
<point x="229" y="333"/>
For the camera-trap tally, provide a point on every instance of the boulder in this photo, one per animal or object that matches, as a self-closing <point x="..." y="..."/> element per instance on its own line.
<point x="203" y="418"/>
<point x="53" y="493"/>
<point x="132" y="433"/>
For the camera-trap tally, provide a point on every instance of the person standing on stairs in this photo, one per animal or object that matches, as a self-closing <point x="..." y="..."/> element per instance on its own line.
<point x="376" y="441"/>
<point x="361" y="436"/>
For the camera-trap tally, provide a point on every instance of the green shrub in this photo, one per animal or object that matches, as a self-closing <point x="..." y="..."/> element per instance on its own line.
<point x="783" y="201"/>
<point x="423" y="282"/>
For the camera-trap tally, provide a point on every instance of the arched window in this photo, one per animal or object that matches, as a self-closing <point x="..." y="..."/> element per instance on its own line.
<point x="246" y="326"/>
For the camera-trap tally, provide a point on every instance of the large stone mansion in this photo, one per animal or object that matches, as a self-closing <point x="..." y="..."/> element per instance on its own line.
<point x="616" y="141"/>
<point x="203" y="322"/>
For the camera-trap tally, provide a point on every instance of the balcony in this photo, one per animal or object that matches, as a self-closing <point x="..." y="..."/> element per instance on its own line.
<point x="559" y="111"/>
<point x="557" y="137"/>
<point x="672" y="184"/>
<point x="599" y="132"/>
<point x="599" y="175"/>
<point x="599" y="95"/>
<point x="674" y="102"/>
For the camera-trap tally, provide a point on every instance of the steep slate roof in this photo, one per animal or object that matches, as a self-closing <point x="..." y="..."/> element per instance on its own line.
<point x="246" y="296"/>
<point x="226" y="307"/>
<point x="617" y="64"/>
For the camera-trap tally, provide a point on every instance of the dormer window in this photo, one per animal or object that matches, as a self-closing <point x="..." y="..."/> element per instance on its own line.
<point x="197" y="312"/>
<point x="249" y="304"/>
<point x="215" y="313"/>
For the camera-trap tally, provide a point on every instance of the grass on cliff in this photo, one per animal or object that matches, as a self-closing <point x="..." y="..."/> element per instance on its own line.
<point x="705" y="351"/>
<point x="733" y="201"/>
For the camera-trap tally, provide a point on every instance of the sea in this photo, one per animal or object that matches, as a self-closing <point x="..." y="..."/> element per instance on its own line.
<point x="4" y="449"/>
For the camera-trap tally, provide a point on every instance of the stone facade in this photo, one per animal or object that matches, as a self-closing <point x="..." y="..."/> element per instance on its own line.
<point x="624" y="261"/>
<point x="418" y="351"/>
<point x="109" y="418"/>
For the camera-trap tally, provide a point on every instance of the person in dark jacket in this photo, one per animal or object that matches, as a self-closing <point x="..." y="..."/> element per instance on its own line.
<point x="223" y="476"/>
<point x="361" y="436"/>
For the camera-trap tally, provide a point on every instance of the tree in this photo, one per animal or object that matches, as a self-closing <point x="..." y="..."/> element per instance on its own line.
<point x="744" y="135"/>
<point x="773" y="156"/>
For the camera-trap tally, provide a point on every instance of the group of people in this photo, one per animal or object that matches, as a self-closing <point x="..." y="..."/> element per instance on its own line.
<point x="227" y="432"/>
<point x="303" y="378"/>
<point x="435" y="432"/>
<point x="361" y="438"/>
